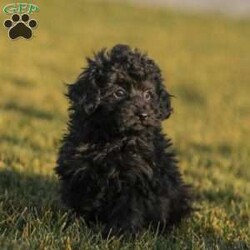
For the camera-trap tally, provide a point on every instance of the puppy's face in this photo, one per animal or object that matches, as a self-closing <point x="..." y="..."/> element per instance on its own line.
<point x="124" y="87"/>
<point x="131" y="104"/>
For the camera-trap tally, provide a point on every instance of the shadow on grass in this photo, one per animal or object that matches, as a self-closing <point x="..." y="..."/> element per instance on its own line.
<point x="201" y="148"/>
<point x="222" y="149"/>
<point x="20" y="190"/>
<point x="21" y="142"/>
<point x="30" y="111"/>
<point x="21" y="82"/>
<point x="28" y="200"/>
<point x="190" y="94"/>
<point x="11" y="140"/>
<point x="220" y="197"/>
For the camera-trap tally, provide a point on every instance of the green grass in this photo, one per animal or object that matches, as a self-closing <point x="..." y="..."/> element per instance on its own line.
<point x="206" y="63"/>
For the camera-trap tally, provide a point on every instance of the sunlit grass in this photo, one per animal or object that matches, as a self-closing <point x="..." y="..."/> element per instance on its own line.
<point x="205" y="61"/>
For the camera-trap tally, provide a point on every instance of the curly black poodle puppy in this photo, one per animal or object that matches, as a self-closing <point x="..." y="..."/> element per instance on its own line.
<point x="114" y="164"/>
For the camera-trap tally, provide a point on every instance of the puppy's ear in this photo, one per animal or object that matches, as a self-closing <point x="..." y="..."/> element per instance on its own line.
<point x="165" y="103"/>
<point x="84" y="94"/>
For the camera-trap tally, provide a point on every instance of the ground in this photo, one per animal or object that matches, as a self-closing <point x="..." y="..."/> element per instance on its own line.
<point x="205" y="61"/>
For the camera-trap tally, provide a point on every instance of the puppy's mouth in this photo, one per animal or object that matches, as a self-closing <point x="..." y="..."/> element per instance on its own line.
<point x="137" y="123"/>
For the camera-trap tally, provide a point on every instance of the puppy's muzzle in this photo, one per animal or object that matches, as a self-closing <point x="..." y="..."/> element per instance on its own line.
<point x="142" y="115"/>
<point x="141" y="109"/>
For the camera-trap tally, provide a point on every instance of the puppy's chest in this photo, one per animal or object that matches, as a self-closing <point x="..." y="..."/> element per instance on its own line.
<point x="123" y="154"/>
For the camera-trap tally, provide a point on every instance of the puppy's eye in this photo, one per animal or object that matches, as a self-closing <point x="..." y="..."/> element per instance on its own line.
<point x="120" y="93"/>
<point x="147" y="95"/>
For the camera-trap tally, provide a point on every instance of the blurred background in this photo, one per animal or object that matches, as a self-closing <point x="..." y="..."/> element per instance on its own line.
<point x="236" y="8"/>
<point x="203" y="49"/>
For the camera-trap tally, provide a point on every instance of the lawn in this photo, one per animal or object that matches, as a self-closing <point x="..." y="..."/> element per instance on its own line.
<point x="205" y="61"/>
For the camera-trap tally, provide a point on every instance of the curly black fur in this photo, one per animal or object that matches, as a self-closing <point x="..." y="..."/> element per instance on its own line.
<point x="114" y="164"/>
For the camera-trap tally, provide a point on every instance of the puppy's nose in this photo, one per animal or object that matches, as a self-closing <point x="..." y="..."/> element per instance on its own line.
<point x="143" y="116"/>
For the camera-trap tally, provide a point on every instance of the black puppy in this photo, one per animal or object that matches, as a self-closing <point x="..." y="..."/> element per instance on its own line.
<point x="114" y="164"/>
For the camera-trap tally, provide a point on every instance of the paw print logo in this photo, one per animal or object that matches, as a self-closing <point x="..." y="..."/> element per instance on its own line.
<point x="20" y="26"/>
